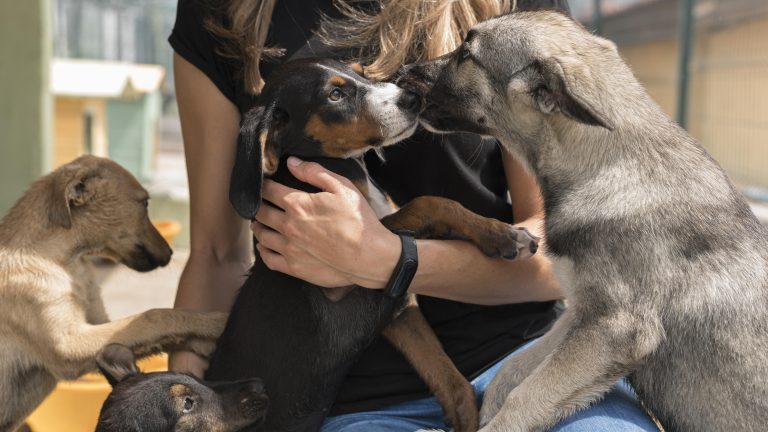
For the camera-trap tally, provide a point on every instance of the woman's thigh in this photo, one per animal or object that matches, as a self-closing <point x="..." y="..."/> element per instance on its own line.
<point x="618" y="411"/>
<point x="407" y="416"/>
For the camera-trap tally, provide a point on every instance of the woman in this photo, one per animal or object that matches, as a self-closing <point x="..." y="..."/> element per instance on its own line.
<point x="218" y="68"/>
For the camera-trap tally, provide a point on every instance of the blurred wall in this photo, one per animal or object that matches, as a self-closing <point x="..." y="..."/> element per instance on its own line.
<point x="25" y="111"/>
<point x="70" y="131"/>
<point x="728" y="102"/>
<point x="655" y="65"/>
<point x="729" y="98"/>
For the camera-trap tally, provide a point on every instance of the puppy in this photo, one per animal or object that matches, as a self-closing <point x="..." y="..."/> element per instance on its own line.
<point x="173" y="402"/>
<point x="52" y="318"/>
<point x="300" y="338"/>
<point x="664" y="266"/>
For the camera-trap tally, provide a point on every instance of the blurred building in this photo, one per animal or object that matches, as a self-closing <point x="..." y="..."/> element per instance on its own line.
<point x="728" y="72"/>
<point x="107" y="109"/>
<point x="131" y="31"/>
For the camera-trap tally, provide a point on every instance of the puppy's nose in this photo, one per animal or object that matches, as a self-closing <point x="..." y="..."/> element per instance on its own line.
<point x="255" y="386"/>
<point x="409" y="101"/>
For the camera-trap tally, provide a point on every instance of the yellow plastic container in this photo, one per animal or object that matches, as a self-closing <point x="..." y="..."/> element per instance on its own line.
<point x="168" y="228"/>
<point x="74" y="406"/>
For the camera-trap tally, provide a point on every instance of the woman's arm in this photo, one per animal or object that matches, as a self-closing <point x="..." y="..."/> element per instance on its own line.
<point x="447" y="269"/>
<point x="333" y="238"/>
<point x="220" y="251"/>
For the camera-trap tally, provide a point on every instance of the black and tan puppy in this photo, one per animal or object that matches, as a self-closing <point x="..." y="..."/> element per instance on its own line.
<point x="173" y="402"/>
<point x="289" y="332"/>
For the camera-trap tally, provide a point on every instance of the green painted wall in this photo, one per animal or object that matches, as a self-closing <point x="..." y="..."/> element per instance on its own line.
<point x="25" y="102"/>
<point x="131" y="129"/>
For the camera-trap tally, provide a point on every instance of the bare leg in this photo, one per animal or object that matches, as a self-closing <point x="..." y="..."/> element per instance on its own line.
<point x="411" y="334"/>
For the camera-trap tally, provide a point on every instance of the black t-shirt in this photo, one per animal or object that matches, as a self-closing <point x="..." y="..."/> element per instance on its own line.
<point x="462" y="167"/>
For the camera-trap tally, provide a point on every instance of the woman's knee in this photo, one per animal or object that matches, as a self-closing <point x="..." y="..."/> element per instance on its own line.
<point x="369" y="423"/>
<point x="620" y="410"/>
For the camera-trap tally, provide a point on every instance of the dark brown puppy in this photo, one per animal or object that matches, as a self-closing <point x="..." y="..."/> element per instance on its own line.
<point x="289" y="332"/>
<point x="173" y="402"/>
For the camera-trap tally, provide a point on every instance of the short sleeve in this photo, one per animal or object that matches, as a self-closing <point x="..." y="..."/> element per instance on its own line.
<point x="192" y="41"/>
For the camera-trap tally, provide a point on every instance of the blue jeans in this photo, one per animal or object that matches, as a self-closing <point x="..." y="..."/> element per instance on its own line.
<point x="619" y="411"/>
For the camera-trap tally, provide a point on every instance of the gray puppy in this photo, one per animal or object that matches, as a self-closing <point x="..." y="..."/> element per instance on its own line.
<point x="664" y="266"/>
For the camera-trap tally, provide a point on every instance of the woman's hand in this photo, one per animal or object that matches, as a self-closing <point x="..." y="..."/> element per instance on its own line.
<point x="331" y="238"/>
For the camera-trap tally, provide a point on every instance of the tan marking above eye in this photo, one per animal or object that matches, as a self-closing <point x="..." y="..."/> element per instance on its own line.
<point x="179" y="390"/>
<point x="337" y="81"/>
<point x="339" y="139"/>
<point x="358" y="68"/>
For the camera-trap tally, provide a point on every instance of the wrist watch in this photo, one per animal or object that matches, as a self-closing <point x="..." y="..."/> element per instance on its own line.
<point x="406" y="267"/>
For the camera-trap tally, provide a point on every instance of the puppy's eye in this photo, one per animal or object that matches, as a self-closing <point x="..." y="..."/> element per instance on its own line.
<point x="146" y="202"/>
<point x="464" y="52"/>
<point x="189" y="403"/>
<point x="336" y="94"/>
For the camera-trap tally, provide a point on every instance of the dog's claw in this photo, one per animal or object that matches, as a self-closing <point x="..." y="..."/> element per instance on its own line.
<point x="509" y="242"/>
<point x="534" y="247"/>
<point x="511" y="256"/>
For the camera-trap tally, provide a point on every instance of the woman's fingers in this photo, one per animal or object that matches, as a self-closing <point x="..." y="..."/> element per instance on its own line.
<point x="279" y="194"/>
<point x="316" y="175"/>
<point x="271" y="217"/>
<point x="273" y="260"/>
<point x="268" y="238"/>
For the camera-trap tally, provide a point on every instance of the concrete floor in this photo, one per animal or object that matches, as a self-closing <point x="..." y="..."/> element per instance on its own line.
<point x="127" y="292"/>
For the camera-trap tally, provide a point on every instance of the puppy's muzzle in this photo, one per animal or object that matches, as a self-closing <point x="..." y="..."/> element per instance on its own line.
<point x="144" y="259"/>
<point x="410" y="101"/>
<point x="253" y="403"/>
<point x="419" y="78"/>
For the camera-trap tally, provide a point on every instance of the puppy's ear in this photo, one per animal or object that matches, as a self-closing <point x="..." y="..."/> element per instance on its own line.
<point x="71" y="188"/>
<point x="116" y="362"/>
<point x="257" y="154"/>
<point x="567" y="85"/>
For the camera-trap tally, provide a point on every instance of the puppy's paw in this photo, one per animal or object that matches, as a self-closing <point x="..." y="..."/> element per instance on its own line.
<point x="492" y="403"/>
<point x="200" y="346"/>
<point x="509" y="242"/>
<point x="213" y="324"/>
<point x="460" y="408"/>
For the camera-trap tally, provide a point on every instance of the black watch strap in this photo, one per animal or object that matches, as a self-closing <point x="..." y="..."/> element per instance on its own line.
<point x="406" y="267"/>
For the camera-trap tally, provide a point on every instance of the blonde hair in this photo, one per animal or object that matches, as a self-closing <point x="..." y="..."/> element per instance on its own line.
<point x="243" y="26"/>
<point x="394" y="33"/>
<point x="403" y="31"/>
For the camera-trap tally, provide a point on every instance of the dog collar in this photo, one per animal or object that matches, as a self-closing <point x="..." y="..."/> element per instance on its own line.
<point x="406" y="267"/>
